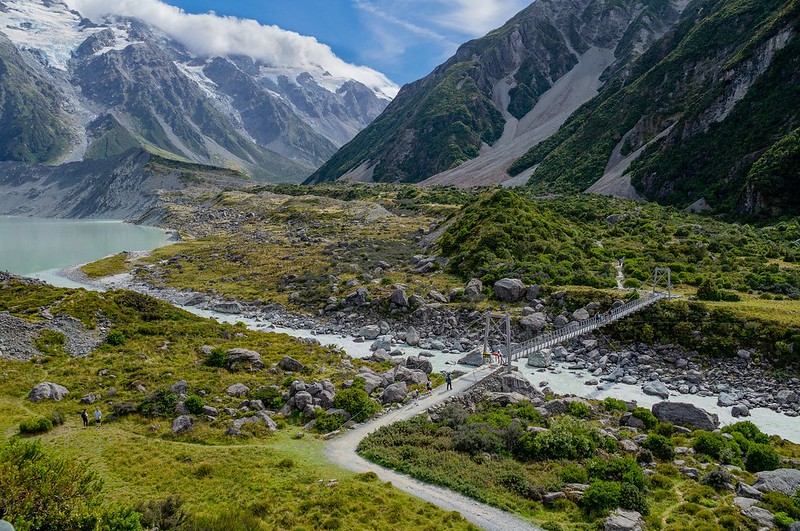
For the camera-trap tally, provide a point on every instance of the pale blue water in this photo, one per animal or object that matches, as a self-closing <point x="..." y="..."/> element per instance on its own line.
<point x="35" y="246"/>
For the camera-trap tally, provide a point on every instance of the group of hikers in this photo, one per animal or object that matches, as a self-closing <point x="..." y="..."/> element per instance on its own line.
<point x="98" y="417"/>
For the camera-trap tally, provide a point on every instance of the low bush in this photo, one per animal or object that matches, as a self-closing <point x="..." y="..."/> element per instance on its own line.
<point x="633" y="498"/>
<point x="328" y="422"/>
<point x="646" y="416"/>
<point x="566" y="439"/>
<point x="783" y="520"/>
<point x="778" y="502"/>
<point x="665" y="428"/>
<point x="644" y="456"/>
<point x="217" y="358"/>
<point x="614" y="404"/>
<point x="194" y="404"/>
<point x="478" y="437"/>
<point x="661" y="447"/>
<point x="579" y="410"/>
<point x="601" y="497"/>
<point x="270" y="396"/>
<point x="162" y="514"/>
<point x="660" y="481"/>
<point x="161" y="403"/>
<point x="718" y="480"/>
<point x="748" y="430"/>
<point x="761" y="457"/>
<point x="357" y="403"/>
<point x="115" y="338"/>
<point x="710" y="444"/>
<point x="573" y="474"/>
<point x="34" y="426"/>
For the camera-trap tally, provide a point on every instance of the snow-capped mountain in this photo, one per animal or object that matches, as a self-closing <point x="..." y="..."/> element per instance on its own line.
<point x="106" y="85"/>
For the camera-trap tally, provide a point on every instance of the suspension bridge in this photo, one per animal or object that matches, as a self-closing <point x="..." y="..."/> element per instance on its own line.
<point x="512" y="352"/>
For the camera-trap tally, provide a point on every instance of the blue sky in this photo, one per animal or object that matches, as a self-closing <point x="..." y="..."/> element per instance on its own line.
<point x="404" y="39"/>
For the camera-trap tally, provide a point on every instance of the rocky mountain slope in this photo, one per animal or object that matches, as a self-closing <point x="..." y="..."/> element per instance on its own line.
<point x="693" y="104"/>
<point x="99" y="88"/>
<point x="501" y="94"/>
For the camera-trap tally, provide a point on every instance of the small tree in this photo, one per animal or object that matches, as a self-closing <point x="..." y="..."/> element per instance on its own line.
<point x="356" y="402"/>
<point x="761" y="457"/>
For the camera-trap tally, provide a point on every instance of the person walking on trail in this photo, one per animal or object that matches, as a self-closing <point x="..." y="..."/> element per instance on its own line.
<point x="85" y="418"/>
<point x="449" y="381"/>
<point x="98" y="417"/>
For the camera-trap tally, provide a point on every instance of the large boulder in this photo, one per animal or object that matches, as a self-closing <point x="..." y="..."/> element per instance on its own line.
<point x="621" y="520"/>
<point x="656" y="389"/>
<point x="420" y="364"/>
<point x="48" y="391"/>
<point x="182" y="424"/>
<point x="288" y="363"/>
<point x="412" y="336"/>
<point x="534" y="322"/>
<point x="383" y="342"/>
<point x="303" y="399"/>
<point x="359" y="297"/>
<point x="541" y="359"/>
<point x="763" y="517"/>
<point x="409" y="376"/>
<point x="400" y="298"/>
<point x="473" y="290"/>
<point x="371" y="381"/>
<point x="394" y="393"/>
<point x="514" y="382"/>
<point x="262" y="417"/>
<point x="510" y="289"/>
<point x="785" y="480"/>
<point x="532" y="293"/>
<point x="740" y="410"/>
<point x="581" y="314"/>
<point x="237" y="390"/>
<point x="242" y="359"/>
<point x="684" y="414"/>
<point x="233" y="308"/>
<point x="369" y="332"/>
<point x="474" y="358"/>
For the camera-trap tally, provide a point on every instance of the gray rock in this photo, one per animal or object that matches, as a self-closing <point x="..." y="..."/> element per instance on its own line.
<point x="510" y="289"/>
<point x="551" y="497"/>
<point x="243" y="359"/>
<point x="438" y="297"/>
<point x="409" y="376"/>
<point x="534" y="322"/>
<point x="726" y="400"/>
<point x="515" y="382"/>
<point x="90" y="398"/>
<point x="303" y="399"/>
<point x="473" y="290"/>
<point x="786" y="397"/>
<point x="182" y="424"/>
<point x="180" y="388"/>
<point x="259" y="418"/>
<point x="581" y="314"/>
<point x="474" y="358"/>
<point x="381" y="355"/>
<point x="560" y="321"/>
<point x="237" y="390"/>
<point x="371" y="381"/>
<point x="210" y="411"/>
<point x="324" y="399"/>
<point x="48" y="391"/>
<point x="740" y="410"/>
<point x="541" y="359"/>
<point x="621" y="520"/>
<point x="420" y="364"/>
<point x="412" y="336"/>
<point x="369" y="332"/>
<point x="6" y="526"/>
<point x="384" y="342"/>
<point x="748" y="491"/>
<point x="532" y="293"/>
<point x="684" y="414"/>
<point x="394" y="393"/>
<point x="288" y="363"/>
<point x="744" y="503"/>
<point x="629" y="446"/>
<point x="785" y="480"/>
<point x="655" y="389"/>
<point x="400" y="298"/>
<point x="232" y="308"/>
<point x="762" y="516"/>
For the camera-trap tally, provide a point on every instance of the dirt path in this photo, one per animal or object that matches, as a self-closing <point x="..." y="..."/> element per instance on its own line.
<point x="342" y="451"/>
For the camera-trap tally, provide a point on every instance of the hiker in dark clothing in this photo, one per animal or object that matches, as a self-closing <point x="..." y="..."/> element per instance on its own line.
<point x="449" y="381"/>
<point x="85" y="418"/>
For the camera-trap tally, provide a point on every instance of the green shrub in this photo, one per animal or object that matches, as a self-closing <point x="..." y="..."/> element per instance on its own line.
<point x="57" y="417"/>
<point x="203" y="470"/>
<point x="217" y="358"/>
<point x="161" y="403"/>
<point x="665" y="428"/>
<point x="762" y="457"/>
<point x="718" y="480"/>
<point x="710" y="444"/>
<point x="50" y="342"/>
<point x="270" y="396"/>
<point x="573" y="474"/>
<point x="194" y="404"/>
<point x="646" y="416"/>
<point x="644" y="456"/>
<point x="328" y="422"/>
<point x="601" y="497"/>
<point x="660" y="481"/>
<point x="614" y="404"/>
<point x="566" y="439"/>
<point x="33" y="426"/>
<point x="748" y="430"/>
<point x="783" y="520"/>
<point x="115" y="338"/>
<point x="478" y="437"/>
<point x="633" y="498"/>
<point x="661" y="447"/>
<point x="162" y="514"/>
<point x="778" y="502"/>
<point x="41" y="490"/>
<point x="357" y="403"/>
<point x="624" y="469"/>
<point x="579" y="410"/>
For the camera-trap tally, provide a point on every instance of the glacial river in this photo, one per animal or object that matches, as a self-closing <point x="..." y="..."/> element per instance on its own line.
<point x="41" y="248"/>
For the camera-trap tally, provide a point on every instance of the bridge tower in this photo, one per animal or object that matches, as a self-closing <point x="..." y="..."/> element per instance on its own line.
<point x="662" y="274"/>
<point x="502" y="323"/>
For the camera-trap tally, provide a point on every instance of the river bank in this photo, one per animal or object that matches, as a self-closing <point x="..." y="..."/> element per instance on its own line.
<point x="589" y="367"/>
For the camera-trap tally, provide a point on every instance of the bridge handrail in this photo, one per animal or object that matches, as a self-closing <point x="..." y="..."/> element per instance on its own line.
<point x="578" y="327"/>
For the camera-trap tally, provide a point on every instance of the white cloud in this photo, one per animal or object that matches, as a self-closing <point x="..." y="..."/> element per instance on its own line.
<point x="210" y="34"/>
<point x="477" y="17"/>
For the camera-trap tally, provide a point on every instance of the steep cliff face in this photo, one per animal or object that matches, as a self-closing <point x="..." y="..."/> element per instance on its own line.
<point x="465" y="105"/>
<point x="706" y="102"/>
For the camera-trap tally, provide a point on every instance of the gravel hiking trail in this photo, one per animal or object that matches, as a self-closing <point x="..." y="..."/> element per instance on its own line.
<point x="342" y="451"/>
